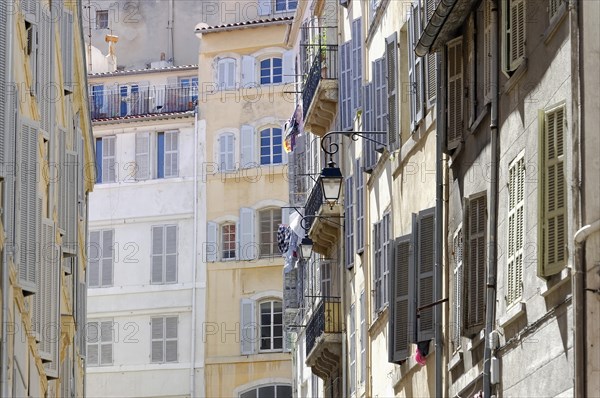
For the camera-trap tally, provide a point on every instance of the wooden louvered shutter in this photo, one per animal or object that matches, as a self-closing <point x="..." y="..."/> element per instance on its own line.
<point x="248" y="244"/>
<point x="158" y="259"/>
<point x="248" y="71"/>
<point x="171" y="338"/>
<point x="29" y="212"/>
<point x="345" y="90"/>
<point x="170" y="253"/>
<point x="171" y="153"/>
<point x="457" y="289"/>
<point x="248" y="337"/>
<point x="487" y="50"/>
<point x="415" y="65"/>
<point x="357" y="75"/>
<point x="107" y="258"/>
<point x="425" y="273"/>
<point x="9" y="110"/>
<point x="369" y="154"/>
<point x="94" y="255"/>
<point x="349" y="222"/>
<point x="360" y="206"/>
<point x="391" y="57"/>
<point x="470" y="72"/>
<point x="142" y="156"/>
<point x="476" y="265"/>
<point x="247" y="147"/>
<point x="157" y="330"/>
<point x="516" y="186"/>
<point x="82" y="317"/>
<point x="46" y="69"/>
<point x="73" y="167"/>
<point x="553" y="192"/>
<point x="108" y="159"/>
<point x="5" y="100"/>
<point x="401" y="321"/>
<point x="516" y="33"/>
<point x="455" y="93"/>
<point x="381" y="101"/>
<point x="52" y="297"/>
<point x="431" y="60"/>
<point x="106" y="343"/>
<point x="66" y="35"/>
<point x="212" y="244"/>
<point x="92" y="337"/>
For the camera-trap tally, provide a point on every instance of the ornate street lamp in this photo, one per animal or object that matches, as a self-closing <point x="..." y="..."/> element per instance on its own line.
<point x="306" y="248"/>
<point x="331" y="180"/>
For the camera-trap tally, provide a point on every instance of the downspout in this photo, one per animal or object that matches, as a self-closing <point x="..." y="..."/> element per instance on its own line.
<point x="5" y="277"/>
<point x="490" y="312"/>
<point x="439" y="214"/>
<point x="195" y="256"/>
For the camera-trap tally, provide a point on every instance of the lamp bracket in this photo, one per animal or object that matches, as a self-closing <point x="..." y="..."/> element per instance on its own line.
<point x="354" y="135"/>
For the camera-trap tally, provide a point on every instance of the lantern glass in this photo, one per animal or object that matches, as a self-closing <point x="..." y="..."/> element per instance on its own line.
<point x="306" y="248"/>
<point x="331" y="181"/>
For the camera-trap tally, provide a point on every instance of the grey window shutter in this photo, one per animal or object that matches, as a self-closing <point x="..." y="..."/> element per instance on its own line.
<point x="157" y="254"/>
<point x="248" y="71"/>
<point x="157" y="336"/>
<point x="248" y="337"/>
<point x="66" y="34"/>
<point x="289" y="66"/>
<point x="29" y="212"/>
<point x="82" y="318"/>
<point x="381" y="101"/>
<point x="357" y="75"/>
<point x="247" y="150"/>
<point x="92" y="337"/>
<point x="108" y="159"/>
<point x="360" y="206"/>
<point x="469" y="75"/>
<point x="142" y="156"/>
<point x="457" y="293"/>
<point x="264" y="7"/>
<point x="455" y="93"/>
<point x="71" y="200"/>
<point x="248" y="244"/>
<point x="391" y="56"/>
<point x="45" y="65"/>
<point x="349" y="222"/>
<point x="345" y="91"/>
<point x="171" y="339"/>
<point x="107" y="258"/>
<point x="170" y="253"/>
<point x="171" y="153"/>
<point x="401" y="321"/>
<point x="212" y="244"/>
<point x="430" y="76"/>
<point x="475" y="271"/>
<point x="425" y="273"/>
<point x="9" y="139"/>
<point x="369" y="153"/>
<point x="94" y="255"/>
<point x="5" y="100"/>
<point x="106" y="343"/>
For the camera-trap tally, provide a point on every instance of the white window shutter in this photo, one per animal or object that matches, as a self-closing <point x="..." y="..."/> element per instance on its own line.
<point x="264" y="7"/>
<point x="455" y="93"/>
<point x="171" y="154"/>
<point x="515" y="238"/>
<point x="157" y="263"/>
<point x="170" y="253"/>
<point x="157" y="335"/>
<point x="108" y="159"/>
<point x="212" y="244"/>
<point x="285" y="215"/>
<point x="92" y="337"/>
<point x="289" y="66"/>
<point x="94" y="253"/>
<point x="248" y="244"/>
<point x="457" y="295"/>
<point x="248" y="329"/>
<point x="66" y="34"/>
<point x="107" y="258"/>
<point x="142" y="156"/>
<point x="230" y="73"/>
<point x="106" y="343"/>
<point x="425" y="273"/>
<point x="171" y="338"/>
<point x="222" y="73"/>
<point x="247" y="144"/>
<point x="248" y="71"/>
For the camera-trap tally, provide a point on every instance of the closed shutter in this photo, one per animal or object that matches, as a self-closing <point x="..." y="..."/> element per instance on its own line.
<point x="171" y="338"/>
<point x="82" y="318"/>
<point x="142" y="156"/>
<point x="248" y="244"/>
<point x="391" y="56"/>
<point x="66" y="35"/>
<point x="107" y="258"/>
<point x="401" y="319"/>
<point x="108" y="159"/>
<point x="415" y="68"/>
<point x="171" y="254"/>
<point x="94" y="254"/>
<point x="248" y="336"/>
<point x="226" y="153"/>
<point x="106" y="343"/>
<point x="470" y="72"/>
<point x="71" y="200"/>
<point x="29" y="212"/>
<point x="264" y="7"/>
<point x="516" y="33"/>
<point x="5" y="100"/>
<point x="248" y="71"/>
<point x="47" y="295"/>
<point x="46" y="69"/>
<point x="475" y="276"/>
<point x="345" y="90"/>
<point x="457" y="290"/>
<point x="9" y="153"/>
<point x="430" y="76"/>
<point x="157" y="334"/>
<point x="171" y="153"/>
<point x="92" y="337"/>
<point x="360" y="206"/>
<point x="553" y="191"/>
<point x="368" y="148"/>
<point x="381" y="99"/>
<point x="352" y="343"/>
<point x="455" y="93"/>
<point x="516" y="180"/>
<point x="158" y="259"/>
<point x="212" y="245"/>
<point x="487" y="50"/>
<point x="425" y="273"/>
<point x="357" y="75"/>
<point x="247" y="150"/>
<point x="349" y="222"/>
<point x="289" y="66"/>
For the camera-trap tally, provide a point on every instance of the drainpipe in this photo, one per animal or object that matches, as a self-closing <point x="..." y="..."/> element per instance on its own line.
<point x="5" y="276"/>
<point x="439" y="214"/>
<point x="490" y="312"/>
<point x="194" y="258"/>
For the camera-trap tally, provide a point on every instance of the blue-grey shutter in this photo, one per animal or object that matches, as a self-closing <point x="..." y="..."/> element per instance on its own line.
<point x="66" y="36"/>
<point x="5" y="101"/>
<point x="289" y="66"/>
<point x="264" y="7"/>
<point x="106" y="271"/>
<point x="425" y="273"/>
<point x="247" y="147"/>
<point x="211" y="248"/>
<point x="171" y="240"/>
<point x="248" y="244"/>
<point x="142" y="156"/>
<point x="369" y="153"/>
<point x="380" y="100"/>
<point x="72" y="167"/>
<point x="345" y="90"/>
<point x="401" y="308"/>
<point x="349" y="222"/>
<point x="94" y="254"/>
<point x="391" y="56"/>
<point x="9" y="122"/>
<point x="248" y="71"/>
<point x="357" y="75"/>
<point x="455" y="93"/>
<point x="248" y="330"/>
<point x="157" y="263"/>
<point x="360" y="206"/>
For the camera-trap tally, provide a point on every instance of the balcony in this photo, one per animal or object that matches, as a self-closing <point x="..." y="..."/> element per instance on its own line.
<point x="320" y="91"/>
<point x="324" y="338"/>
<point x="322" y="221"/>
<point x="123" y="101"/>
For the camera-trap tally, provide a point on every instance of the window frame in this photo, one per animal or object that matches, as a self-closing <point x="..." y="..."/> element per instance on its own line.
<point x="270" y="70"/>
<point x="287" y="8"/>
<point x="165" y="339"/>
<point x="271" y="147"/>
<point x="222" y="233"/>
<point x="256" y="390"/>
<point x="274" y="249"/>
<point x="381" y="235"/>
<point x="272" y="325"/>
<point x="104" y="14"/>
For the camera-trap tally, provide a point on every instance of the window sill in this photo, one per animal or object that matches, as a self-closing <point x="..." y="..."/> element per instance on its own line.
<point x="515" y="77"/>
<point x="382" y="316"/>
<point x="374" y="23"/>
<point x="475" y="341"/>
<point x="555" y="22"/>
<point x="512" y="314"/>
<point x="556" y="281"/>
<point x="455" y="360"/>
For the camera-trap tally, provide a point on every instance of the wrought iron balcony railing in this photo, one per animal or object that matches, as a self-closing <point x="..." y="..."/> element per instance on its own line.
<point x="323" y="67"/>
<point x="135" y="100"/>
<point x="313" y="204"/>
<point x="327" y="318"/>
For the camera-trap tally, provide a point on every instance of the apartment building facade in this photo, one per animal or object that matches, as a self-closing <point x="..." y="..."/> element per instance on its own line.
<point x="245" y="71"/>
<point x="47" y="172"/>
<point x="145" y="296"/>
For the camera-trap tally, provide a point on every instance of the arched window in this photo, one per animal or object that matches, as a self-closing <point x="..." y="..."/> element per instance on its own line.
<point x="268" y="221"/>
<point x="271" y="325"/>
<point x="269" y="391"/>
<point x="228" y="234"/>
<point x="271" y="70"/>
<point x="226" y="73"/>
<point x="226" y="156"/>
<point x="271" y="146"/>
